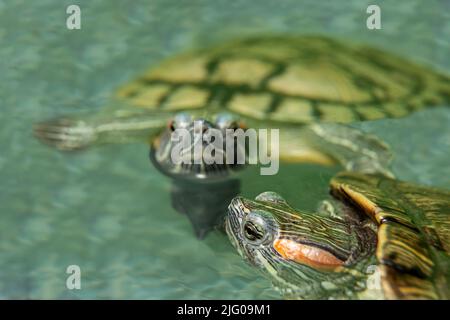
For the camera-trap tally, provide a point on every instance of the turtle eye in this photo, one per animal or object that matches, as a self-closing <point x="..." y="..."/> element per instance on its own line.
<point x="234" y="125"/>
<point x="254" y="233"/>
<point x="227" y="121"/>
<point x="180" y="120"/>
<point x="241" y="125"/>
<point x="171" y="125"/>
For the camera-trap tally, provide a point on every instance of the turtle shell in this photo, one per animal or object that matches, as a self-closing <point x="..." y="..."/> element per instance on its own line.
<point x="287" y="79"/>
<point x="413" y="248"/>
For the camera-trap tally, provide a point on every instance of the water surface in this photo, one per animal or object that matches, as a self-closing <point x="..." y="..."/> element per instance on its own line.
<point x="106" y="209"/>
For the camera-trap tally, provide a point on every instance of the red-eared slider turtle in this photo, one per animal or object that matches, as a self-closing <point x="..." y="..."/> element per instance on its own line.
<point x="377" y="238"/>
<point x="269" y="82"/>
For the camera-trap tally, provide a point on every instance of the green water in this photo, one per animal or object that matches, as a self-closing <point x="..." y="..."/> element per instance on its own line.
<point x="107" y="210"/>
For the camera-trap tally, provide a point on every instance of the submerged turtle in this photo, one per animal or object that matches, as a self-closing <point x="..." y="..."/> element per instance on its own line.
<point x="377" y="238"/>
<point x="269" y="82"/>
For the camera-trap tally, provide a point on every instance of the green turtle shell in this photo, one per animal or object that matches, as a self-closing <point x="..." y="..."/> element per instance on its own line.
<point x="413" y="247"/>
<point x="287" y="79"/>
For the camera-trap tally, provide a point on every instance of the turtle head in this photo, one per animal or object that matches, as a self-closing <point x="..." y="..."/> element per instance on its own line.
<point x="305" y="255"/>
<point x="198" y="148"/>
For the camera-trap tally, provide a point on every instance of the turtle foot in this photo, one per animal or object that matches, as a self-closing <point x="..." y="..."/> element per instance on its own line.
<point x="354" y="149"/>
<point x="65" y="134"/>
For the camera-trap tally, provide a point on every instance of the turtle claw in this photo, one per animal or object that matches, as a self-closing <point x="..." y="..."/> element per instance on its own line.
<point x="366" y="165"/>
<point x="65" y="134"/>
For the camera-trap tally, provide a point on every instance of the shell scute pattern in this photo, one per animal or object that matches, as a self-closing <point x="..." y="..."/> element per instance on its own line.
<point x="299" y="80"/>
<point x="413" y="242"/>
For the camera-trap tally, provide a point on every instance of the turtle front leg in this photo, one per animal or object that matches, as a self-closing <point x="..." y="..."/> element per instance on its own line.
<point x="330" y="143"/>
<point x="354" y="149"/>
<point x="329" y="208"/>
<point x="65" y="133"/>
<point x="83" y="131"/>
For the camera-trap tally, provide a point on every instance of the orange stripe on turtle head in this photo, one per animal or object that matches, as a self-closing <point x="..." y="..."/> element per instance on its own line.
<point x="305" y="254"/>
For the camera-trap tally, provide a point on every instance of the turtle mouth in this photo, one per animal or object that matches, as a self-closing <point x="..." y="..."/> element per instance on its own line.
<point x="237" y="212"/>
<point x="234" y="219"/>
<point x="233" y="226"/>
<point x="230" y="230"/>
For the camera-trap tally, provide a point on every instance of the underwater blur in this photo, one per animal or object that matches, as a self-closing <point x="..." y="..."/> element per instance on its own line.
<point x="135" y="232"/>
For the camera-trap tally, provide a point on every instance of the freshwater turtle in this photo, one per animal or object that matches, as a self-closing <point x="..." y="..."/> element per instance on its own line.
<point x="376" y="238"/>
<point x="303" y="86"/>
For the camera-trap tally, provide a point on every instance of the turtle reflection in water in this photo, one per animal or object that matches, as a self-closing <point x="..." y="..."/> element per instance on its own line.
<point x="201" y="189"/>
<point x="400" y="228"/>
